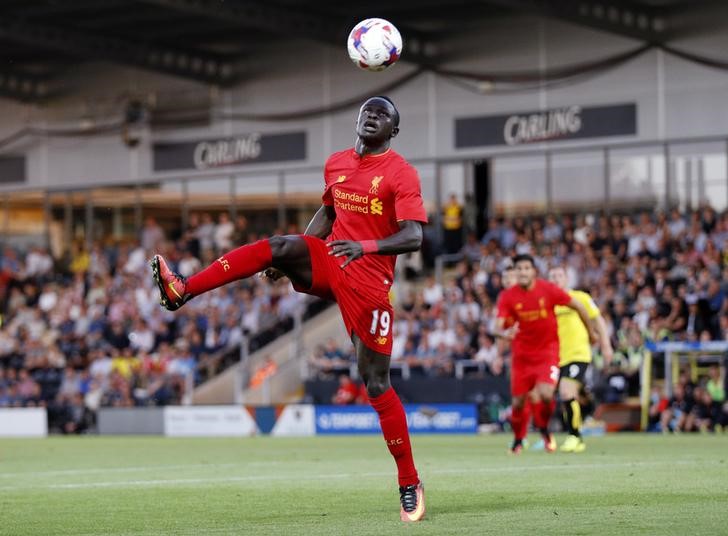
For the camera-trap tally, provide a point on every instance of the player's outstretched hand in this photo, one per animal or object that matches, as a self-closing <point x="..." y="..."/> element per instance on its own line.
<point x="346" y="248"/>
<point x="272" y="274"/>
<point x="511" y="332"/>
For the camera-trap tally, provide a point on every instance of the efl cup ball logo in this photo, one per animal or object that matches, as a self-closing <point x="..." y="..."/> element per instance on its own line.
<point x="374" y="44"/>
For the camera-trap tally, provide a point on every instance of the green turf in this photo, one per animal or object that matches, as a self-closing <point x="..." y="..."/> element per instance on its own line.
<point x="622" y="484"/>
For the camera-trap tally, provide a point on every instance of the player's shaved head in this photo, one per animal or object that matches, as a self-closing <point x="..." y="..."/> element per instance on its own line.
<point x="384" y="99"/>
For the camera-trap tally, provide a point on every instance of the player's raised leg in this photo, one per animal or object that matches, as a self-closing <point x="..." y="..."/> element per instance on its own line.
<point x="374" y="370"/>
<point x="286" y="253"/>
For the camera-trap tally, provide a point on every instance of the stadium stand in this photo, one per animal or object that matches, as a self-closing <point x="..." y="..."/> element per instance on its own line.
<point x="85" y="331"/>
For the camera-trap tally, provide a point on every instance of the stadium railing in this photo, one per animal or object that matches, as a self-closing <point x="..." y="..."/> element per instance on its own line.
<point x="403" y="368"/>
<point x="445" y="259"/>
<point x="462" y="364"/>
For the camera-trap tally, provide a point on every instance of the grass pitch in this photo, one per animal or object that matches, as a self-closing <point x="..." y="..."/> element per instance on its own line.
<point x="622" y="484"/>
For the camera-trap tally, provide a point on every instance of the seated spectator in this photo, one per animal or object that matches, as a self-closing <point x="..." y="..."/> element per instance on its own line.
<point x="188" y="264"/>
<point x="328" y="359"/>
<point x="349" y="392"/>
<point x="223" y="233"/>
<point x="488" y="354"/>
<point x="703" y="415"/>
<point x="432" y="292"/>
<point x="471" y="249"/>
<point x="617" y="384"/>
<point x="424" y="357"/>
<point x="675" y="416"/>
<point x="715" y="386"/>
<point x="658" y="404"/>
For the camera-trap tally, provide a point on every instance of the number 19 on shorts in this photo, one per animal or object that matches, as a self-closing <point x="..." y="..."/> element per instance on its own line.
<point x="380" y="321"/>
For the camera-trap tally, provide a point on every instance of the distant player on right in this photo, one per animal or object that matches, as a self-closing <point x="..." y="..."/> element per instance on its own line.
<point x="575" y="355"/>
<point x="527" y="308"/>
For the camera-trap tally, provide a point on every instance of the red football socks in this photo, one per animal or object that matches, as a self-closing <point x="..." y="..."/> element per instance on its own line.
<point x="542" y="413"/>
<point x="237" y="264"/>
<point x="394" y="428"/>
<point x="538" y="415"/>
<point x="519" y="420"/>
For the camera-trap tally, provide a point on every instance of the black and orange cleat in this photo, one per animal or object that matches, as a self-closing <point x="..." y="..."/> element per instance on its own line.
<point x="172" y="286"/>
<point x="516" y="447"/>
<point x="412" y="499"/>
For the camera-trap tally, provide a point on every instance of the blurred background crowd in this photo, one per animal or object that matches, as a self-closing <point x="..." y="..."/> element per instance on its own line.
<point x="655" y="277"/>
<point x="86" y="331"/>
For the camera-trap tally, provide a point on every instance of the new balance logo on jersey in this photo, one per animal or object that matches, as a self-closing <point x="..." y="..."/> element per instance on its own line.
<point x="375" y="185"/>
<point x="341" y="178"/>
<point x="376" y="206"/>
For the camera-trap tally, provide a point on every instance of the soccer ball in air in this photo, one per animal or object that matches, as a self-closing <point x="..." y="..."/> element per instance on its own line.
<point x="374" y="44"/>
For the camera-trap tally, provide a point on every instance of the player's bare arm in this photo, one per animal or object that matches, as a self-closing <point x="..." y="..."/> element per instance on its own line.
<point x="605" y="343"/>
<point x="577" y="306"/>
<point x="502" y="333"/>
<point x="322" y="222"/>
<point x="409" y="238"/>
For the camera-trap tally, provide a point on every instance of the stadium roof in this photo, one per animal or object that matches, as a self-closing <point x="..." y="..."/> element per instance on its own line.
<point x="209" y="40"/>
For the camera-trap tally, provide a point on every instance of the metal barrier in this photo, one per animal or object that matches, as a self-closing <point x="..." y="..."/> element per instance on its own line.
<point x="462" y="364"/>
<point x="403" y="368"/>
<point x="440" y="262"/>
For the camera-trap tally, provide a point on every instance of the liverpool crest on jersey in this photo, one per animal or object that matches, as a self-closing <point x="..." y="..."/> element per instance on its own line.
<point x="375" y="185"/>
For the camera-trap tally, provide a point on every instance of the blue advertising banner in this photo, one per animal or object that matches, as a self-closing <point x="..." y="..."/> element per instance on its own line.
<point x="421" y="419"/>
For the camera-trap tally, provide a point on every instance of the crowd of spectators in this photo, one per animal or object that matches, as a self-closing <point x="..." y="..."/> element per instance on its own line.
<point x="654" y="276"/>
<point x="87" y="331"/>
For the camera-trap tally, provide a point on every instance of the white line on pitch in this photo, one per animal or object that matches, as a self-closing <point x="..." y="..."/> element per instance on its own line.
<point x="62" y="472"/>
<point x="252" y="478"/>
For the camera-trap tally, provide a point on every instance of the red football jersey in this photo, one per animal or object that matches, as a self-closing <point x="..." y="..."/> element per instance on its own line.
<point x="534" y="311"/>
<point x="370" y="195"/>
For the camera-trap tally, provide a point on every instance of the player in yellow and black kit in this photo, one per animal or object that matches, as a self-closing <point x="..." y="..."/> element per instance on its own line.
<point x="575" y="356"/>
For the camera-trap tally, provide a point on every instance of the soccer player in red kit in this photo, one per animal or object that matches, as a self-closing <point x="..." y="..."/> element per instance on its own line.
<point x="372" y="211"/>
<point x="528" y="308"/>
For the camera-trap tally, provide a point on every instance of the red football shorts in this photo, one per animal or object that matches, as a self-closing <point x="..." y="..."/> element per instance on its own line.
<point x="525" y="374"/>
<point x="365" y="309"/>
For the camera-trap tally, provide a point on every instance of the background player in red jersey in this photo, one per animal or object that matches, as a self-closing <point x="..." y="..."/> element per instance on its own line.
<point x="528" y="307"/>
<point x="372" y="211"/>
<point x="533" y="404"/>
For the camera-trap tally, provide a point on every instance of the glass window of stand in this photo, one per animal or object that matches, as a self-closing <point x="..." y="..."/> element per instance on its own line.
<point x="699" y="175"/>
<point x="577" y="181"/>
<point x="519" y="185"/>
<point x="637" y="178"/>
